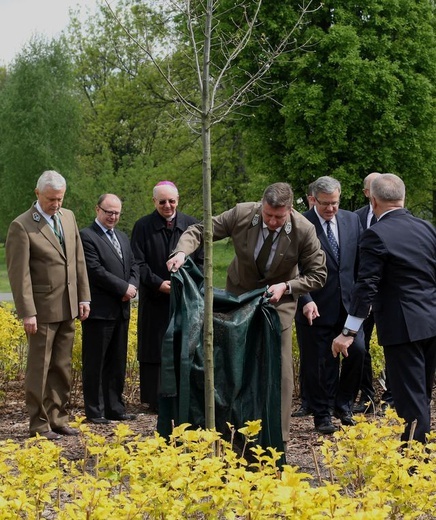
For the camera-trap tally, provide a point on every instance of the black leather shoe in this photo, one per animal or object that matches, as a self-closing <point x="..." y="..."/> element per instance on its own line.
<point x="98" y="420"/>
<point x="301" y="412"/>
<point x="123" y="417"/>
<point x="326" y="427"/>
<point x="346" y="418"/>
<point x="367" y="407"/>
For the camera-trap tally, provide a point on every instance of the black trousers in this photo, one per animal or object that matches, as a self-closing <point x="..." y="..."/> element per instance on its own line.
<point x="411" y="371"/>
<point x="104" y="355"/>
<point x="319" y="367"/>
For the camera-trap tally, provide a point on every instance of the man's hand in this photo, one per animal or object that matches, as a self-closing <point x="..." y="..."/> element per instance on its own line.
<point x="276" y="291"/>
<point x="84" y="309"/>
<point x="341" y="344"/>
<point x="165" y="287"/>
<point x="30" y="325"/>
<point x="310" y="310"/>
<point x="176" y="261"/>
<point x="130" y="293"/>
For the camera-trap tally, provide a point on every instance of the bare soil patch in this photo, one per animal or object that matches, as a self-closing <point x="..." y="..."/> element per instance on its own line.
<point x="302" y="450"/>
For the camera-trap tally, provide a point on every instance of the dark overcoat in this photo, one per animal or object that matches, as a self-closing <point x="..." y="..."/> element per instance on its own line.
<point x="152" y="244"/>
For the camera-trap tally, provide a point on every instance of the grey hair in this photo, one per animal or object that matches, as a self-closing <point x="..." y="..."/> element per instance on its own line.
<point x="51" y="179"/>
<point x="369" y="178"/>
<point x="278" y="195"/>
<point x="388" y="187"/>
<point x="325" y="184"/>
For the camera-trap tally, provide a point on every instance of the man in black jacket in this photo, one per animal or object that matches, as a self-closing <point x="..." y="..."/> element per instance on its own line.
<point x="154" y="237"/>
<point x="113" y="279"/>
<point x="397" y="278"/>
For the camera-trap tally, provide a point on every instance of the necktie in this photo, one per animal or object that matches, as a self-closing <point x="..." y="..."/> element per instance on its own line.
<point x="265" y="251"/>
<point x="57" y="229"/>
<point x="331" y="238"/>
<point x="373" y="220"/>
<point x="115" y="243"/>
<point x="169" y="224"/>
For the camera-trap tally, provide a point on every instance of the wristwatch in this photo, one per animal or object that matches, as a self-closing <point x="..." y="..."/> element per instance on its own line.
<point x="348" y="332"/>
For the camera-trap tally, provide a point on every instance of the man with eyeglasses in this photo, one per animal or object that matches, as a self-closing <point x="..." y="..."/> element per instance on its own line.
<point x="321" y="313"/>
<point x="113" y="278"/>
<point x="154" y="236"/>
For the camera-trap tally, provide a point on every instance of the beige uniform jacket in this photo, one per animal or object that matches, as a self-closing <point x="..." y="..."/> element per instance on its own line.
<point x="45" y="280"/>
<point x="298" y="259"/>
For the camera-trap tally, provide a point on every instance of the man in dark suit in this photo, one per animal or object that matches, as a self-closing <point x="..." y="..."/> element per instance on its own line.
<point x="113" y="277"/>
<point x="320" y="314"/>
<point x="367" y="392"/>
<point x="154" y="236"/>
<point x="397" y="277"/>
<point x="293" y="242"/>
<point x="47" y="273"/>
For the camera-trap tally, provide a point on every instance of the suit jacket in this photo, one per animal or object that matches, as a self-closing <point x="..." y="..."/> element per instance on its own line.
<point x="363" y="215"/>
<point x="397" y="275"/>
<point x="45" y="280"/>
<point x="297" y="244"/>
<point x="336" y="293"/>
<point x="109" y="275"/>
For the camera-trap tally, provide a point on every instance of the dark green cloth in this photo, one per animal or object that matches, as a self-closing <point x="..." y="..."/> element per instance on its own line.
<point x="247" y="360"/>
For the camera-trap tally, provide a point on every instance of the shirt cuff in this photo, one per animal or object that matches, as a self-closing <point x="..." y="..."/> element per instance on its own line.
<point x="353" y="323"/>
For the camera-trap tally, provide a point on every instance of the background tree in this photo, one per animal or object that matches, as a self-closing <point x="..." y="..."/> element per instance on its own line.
<point x="39" y="123"/>
<point x="363" y="100"/>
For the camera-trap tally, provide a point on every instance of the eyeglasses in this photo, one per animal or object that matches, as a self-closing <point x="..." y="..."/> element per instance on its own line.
<point x="164" y="201"/>
<point x="334" y="204"/>
<point x="110" y="213"/>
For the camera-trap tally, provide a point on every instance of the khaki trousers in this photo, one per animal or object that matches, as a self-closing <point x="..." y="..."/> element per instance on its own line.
<point x="48" y="375"/>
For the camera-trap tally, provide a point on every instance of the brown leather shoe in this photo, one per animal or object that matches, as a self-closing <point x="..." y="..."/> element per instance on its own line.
<point x="66" y="430"/>
<point x="50" y="435"/>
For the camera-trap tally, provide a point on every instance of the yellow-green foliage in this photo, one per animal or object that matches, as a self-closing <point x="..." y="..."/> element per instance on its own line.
<point x="12" y="344"/>
<point x="196" y="475"/>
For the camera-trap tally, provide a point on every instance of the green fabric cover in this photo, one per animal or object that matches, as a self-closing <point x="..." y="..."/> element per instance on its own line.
<point x="247" y="360"/>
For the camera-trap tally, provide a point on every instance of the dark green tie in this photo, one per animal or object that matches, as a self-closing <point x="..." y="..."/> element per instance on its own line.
<point x="265" y="251"/>
<point x="57" y="229"/>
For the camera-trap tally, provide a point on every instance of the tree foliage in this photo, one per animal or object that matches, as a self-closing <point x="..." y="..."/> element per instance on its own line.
<point x="39" y="123"/>
<point x="364" y="99"/>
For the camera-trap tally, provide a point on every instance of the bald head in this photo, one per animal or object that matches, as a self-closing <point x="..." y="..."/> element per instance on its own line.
<point x="367" y="182"/>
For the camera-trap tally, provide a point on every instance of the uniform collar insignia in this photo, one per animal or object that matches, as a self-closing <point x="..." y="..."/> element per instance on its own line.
<point x="255" y="220"/>
<point x="288" y="227"/>
<point x="36" y="217"/>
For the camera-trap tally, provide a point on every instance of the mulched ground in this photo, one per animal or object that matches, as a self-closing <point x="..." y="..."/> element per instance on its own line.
<point x="302" y="449"/>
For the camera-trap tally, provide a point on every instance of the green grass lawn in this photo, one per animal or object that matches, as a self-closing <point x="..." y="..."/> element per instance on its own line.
<point x="4" y="282"/>
<point x="222" y="255"/>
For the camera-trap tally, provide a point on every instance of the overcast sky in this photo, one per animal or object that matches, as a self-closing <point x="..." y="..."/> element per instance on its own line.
<point x="20" y="19"/>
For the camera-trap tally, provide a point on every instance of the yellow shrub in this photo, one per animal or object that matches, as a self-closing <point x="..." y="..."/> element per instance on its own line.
<point x="197" y="475"/>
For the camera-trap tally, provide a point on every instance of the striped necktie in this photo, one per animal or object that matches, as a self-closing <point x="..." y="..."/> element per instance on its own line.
<point x="57" y="229"/>
<point x="115" y="243"/>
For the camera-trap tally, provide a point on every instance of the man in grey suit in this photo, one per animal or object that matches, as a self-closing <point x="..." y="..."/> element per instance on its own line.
<point x="113" y="277"/>
<point x="47" y="273"/>
<point x="320" y="314"/>
<point x="397" y="278"/>
<point x="293" y="243"/>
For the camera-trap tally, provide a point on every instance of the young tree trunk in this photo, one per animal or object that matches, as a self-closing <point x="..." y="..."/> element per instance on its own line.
<point x="209" y="383"/>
